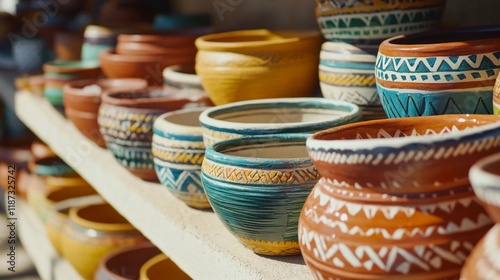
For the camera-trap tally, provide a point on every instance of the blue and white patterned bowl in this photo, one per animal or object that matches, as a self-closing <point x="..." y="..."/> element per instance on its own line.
<point x="275" y="116"/>
<point x="257" y="187"/>
<point x="178" y="152"/>
<point x="441" y="72"/>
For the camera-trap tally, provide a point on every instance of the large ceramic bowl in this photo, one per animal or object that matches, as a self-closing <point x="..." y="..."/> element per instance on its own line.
<point x="361" y="22"/>
<point x="125" y="263"/>
<point x="58" y="73"/>
<point x="347" y="73"/>
<point x="254" y="64"/>
<point x="257" y="186"/>
<point x="126" y="122"/>
<point x="484" y="262"/>
<point x="161" y="267"/>
<point x="92" y="232"/>
<point x="394" y="200"/>
<point x="440" y="72"/>
<point x="275" y="116"/>
<point x="82" y="99"/>
<point x="178" y="152"/>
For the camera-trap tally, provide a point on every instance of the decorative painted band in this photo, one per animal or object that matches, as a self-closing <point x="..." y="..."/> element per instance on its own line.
<point x="185" y="181"/>
<point x="356" y="65"/>
<point x="172" y="135"/>
<point x="346" y="79"/>
<point x="179" y="156"/>
<point x="332" y="7"/>
<point x="399" y="103"/>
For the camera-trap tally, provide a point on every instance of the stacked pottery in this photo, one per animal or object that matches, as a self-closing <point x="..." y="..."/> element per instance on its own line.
<point x="394" y="200"/>
<point x="178" y="152"/>
<point x="484" y="261"/>
<point x="441" y="72"/>
<point x="82" y="99"/>
<point x="255" y="64"/>
<point x="354" y="30"/>
<point x="126" y="122"/>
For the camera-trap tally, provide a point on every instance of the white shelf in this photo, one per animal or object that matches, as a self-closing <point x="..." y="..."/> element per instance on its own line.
<point x="195" y="240"/>
<point x="48" y="263"/>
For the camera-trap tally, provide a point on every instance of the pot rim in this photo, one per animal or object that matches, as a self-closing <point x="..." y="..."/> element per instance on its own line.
<point x="177" y="74"/>
<point x="143" y="273"/>
<point x="76" y="87"/>
<point x="278" y="38"/>
<point x="492" y="124"/>
<point x="110" y="55"/>
<point x="98" y="226"/>
<point x="59" y="66"/>
<point x="481" y="177"/>
<point x="207" y="119"/>
<point x="163" y="125"/>
<point x="391" y="47"/>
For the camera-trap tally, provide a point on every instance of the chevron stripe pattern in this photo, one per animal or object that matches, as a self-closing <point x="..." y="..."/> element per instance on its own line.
<point x="400" y="103"/>
<point x="190" y="157"/>
<point x="346" y="79"/>
<point x="254" y="176"/>
<point x="376" y="26"/>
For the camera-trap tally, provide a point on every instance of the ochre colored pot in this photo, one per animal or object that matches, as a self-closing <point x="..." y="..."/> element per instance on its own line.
<point x="394" y="201"/>
<point x="161" y="267"/>
<point x="83" y="98"/>
<point x="61" y="194"/>
<point x="254" y="64"/>
<point x="92" y="232"/>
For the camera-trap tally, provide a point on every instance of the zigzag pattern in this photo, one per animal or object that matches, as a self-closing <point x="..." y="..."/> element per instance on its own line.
<point x="254" y="176"/>
<point x="211" y="137"/>
<point x="272" y="248"/>
<point x="191" y="157"/>
<point x="363" y="97"/>
<point x="180" y="180"/>
<point x="357" y="6"/>
<point x="347" y="79"/>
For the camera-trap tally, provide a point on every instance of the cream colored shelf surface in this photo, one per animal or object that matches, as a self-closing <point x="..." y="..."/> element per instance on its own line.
<point x="49" y="265"/>
<point x="195" y="240"/>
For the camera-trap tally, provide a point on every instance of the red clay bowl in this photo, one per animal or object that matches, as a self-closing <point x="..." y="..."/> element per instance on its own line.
<point x="81" y="103"/>
<point x="149" y="67"/>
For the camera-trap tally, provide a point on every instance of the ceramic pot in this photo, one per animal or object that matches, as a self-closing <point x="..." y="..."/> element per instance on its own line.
<point x="347" y="73"/>
<point x="126" y="123"/>
<point x="182" y="77"/>
<point x="496" y="97"/>
<point x="82" y="100"/>
<point x="257" y="186"/>
<point x="275" y="116"/>
<point x="149" y="67"/>
<point x="362" y="22"/>
<point x="178" y="152"/>
<point x="255" y="64"/>
<point x="97" y="39"/>
<point x="176" y="21"/>
<point x="125" y="263"/>
<point x="58" y="73"/>
<point x="441" y="72"/>
<point x="484" y="261"/>
<point x="92" y="232"/>
<point x="68" y="46"/>
<point x="58" y="215"/>
<point x="394" y="200"/>
<point x="161" y="267"/>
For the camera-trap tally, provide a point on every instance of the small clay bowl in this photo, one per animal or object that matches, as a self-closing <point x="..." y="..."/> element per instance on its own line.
<point x="149" y="67"/>
<point x="82" y="100"/>
<point x="485" y="179"/>
<point x="125" y="263"/>
<point x="275" y="116"/>
<point x="182" y="77"/>
<point x="257" y="187"/>
<point x="58" y="73"/>
<point x="126" y="122"/>
<point x="161" y="267"/>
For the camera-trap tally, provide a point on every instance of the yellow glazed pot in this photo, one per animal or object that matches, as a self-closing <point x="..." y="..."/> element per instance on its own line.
<point x="256" y="64"/>
<point x="161" y="267"/>
<point x="92" y="232"/>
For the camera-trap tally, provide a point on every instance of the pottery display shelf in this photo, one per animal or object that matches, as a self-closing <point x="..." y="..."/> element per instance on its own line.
<point x="31" y="232"/>
<point x="195" y="240"/>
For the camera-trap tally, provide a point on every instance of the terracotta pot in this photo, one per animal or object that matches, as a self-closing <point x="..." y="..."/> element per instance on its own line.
<point x="125" y="263"/>
<point x="394" y="200"/>
<point x="178" y="152"/>
<point x="441" y="72"/>
<point x="182" y="77"/>
<point x="161" y="267"/>
<point x="275" y="116"/>
<point x="347" y="73"/>
<point x="257" y="186"/>
<point x="362" y="22"/>
<point x="483" y="263"/>
<point x="147" y="67"/>
<point x="92" y="232"/>
<point x="58" y="215"/>
<point x="82" y="100"/>
<point x="68" y="45"/>
<point x="58" y="73"/>
<point x="126" y="121"/>
<point x="255" y="64"/>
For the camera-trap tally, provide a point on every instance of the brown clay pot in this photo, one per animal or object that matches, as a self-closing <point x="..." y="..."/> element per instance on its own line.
<point x="126" y="122"/>
<point x="81" y="102"/>
<point x="148" y="67"/>
<point x="394" y="201"/>
<point x="125" y="263"/>
<point x="68" y="45"/>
